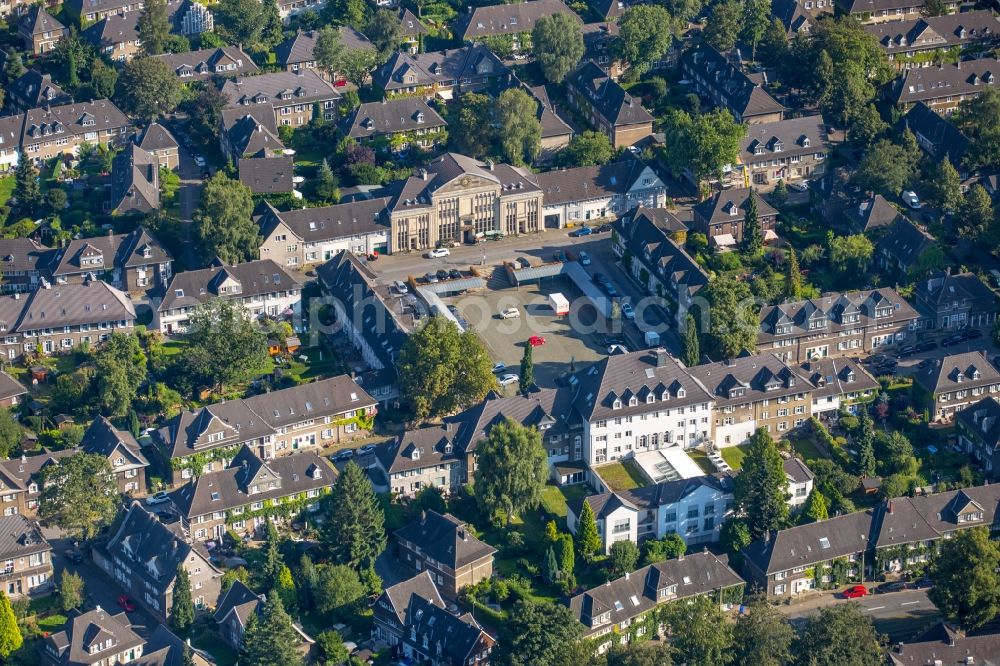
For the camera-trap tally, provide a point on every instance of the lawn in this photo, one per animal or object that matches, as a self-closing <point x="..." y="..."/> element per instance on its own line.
<point x="207" y="640"/>
<point x="699" y="457"/>
<point x="6" y="189"/>
<point x="806" y="448"/>
<point x="622" y="476"/>
<point x="733" y="455"/>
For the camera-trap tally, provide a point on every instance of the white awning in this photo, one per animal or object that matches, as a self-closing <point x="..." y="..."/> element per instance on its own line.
<point x="446" y="95"/>
<point x="723" y="240"/>
<point x="770" y="235"/>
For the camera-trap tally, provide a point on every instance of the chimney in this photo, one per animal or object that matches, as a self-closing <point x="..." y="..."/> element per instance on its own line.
<point x="447" y="426"/>
<point x="423" y="174"/>
<point x="423" y="516"/>
<point x="489" y="164"/>
<point x="464" y="534"/>
<point x="890" y="507"/>
<point x="661" y="357"/>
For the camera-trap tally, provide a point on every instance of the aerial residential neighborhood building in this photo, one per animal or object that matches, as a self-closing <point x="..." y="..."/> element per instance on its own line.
<point x="392" y="608"/>
<point x="24" y="263"/>
<point x="513" y="19"/>
<point x="607" y="107"/>
<point x="91" y="639"/>
<point x="314" y="235"/>
<point x="937" y="136"/>
<point x="978" y="428"/>
<point x="33" y="89"/>
<point x="132" y="262"/>
<point x="40" y="31"/>
<point x="122" y="451"/>
<point x="725" y="85"/>
<point x="903" y="245"/>
<point x="446" y="74"/>
<point x="291" y="96"/>
<point x="943" y="87"/>
<point x="157" y="140"/>
<point x="438" y="637"/>
<point x="422" y="458"/>
<point x="207" y="63"/>
<point x="298" y="52"/>
<point x="954" y="382"/>
<point x="116" y="36"/>
<point x="789" y="150"/>
<point x="902" y="40"/>
<point x="880" y="11"/>
<point x="26" y="557"/>
<point x="88" y="11"/>
<point x="444" y="546"/>
<point x="840" y="383"/>
<point x="721" y="217"/>
<point x="135" y="182"/>
<point x="396" y="124"/>
<point x="955" y="302"/>
<point x="249" y="132"/>
<point x="836" y="325"/>
<point x="21" y="481"/>
<point x="268" y="175"/>
<point x="556" y="132"/>
<point x="60" y="130"/>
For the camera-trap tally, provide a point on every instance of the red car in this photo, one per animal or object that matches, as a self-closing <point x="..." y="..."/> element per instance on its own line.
<point x="856" y="592"/>
<point x="126" y="603"/>
<point x="536" y="341"/>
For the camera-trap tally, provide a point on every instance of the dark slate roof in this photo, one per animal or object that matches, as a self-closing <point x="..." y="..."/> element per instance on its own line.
<point x="25" y="254"/>
<point x="837" y="309"/>
<point x="206" y="63"/>
<point x="49" y="123"/>
<point x="83" y="630"/>
<point x="113" y="30"/>
<point x="305" y="87"/>
<point x="797" y="471"/>
<point x="792" y="137"/>
<point x="313" y="225"/>
<point x="103" y="438"/>
<point x="232" y="487"/>
<point x="905" y="242"/>
<point x="397" y="597"/>
<point x="806" y="545"/>
<point x="718" y="208"/>
<point x="239" y="599"/>
<point x="646" y="232"/>
<point x="163" y="648"/>
<point x="252" y="131"/>
<point x="10" y="387"/>
<point x="121" y="250"/>
<point x="507" y="19"/>
<point x="267" y="175"/>
<point x="38" y="21"/>
<point x="323" y="397"/>
<point x="20" y="537"/>
<point x="410" y="24"/>
<point x="650" y="497"/>
<point x="552" y="124"/>
<point x="416" y="449"/>
<point x="453" y="638"/>
<point x="254" y="278"/>
<point x="609" y="9"/>
<point x="135" y="181"/>
<point x="299" y="47"/>
<point x="156" y="137"/>
<point x="607" y="97"/>
<point x="652" y="379"/>
<point x="837" y="377"/>
<point x="874" y="7"/>
<point x="36" y="89"/>
<point x="20" y="472"/>
<point x="942" y="644"/>
<point x="640" y="591"/>
<point x="931" y="83"/>
<point x="748" y="378"/>
<point x="441" y="67"/>
<point x="71" y="305"/>
<point x="591" y="182"/>
<point x="793" y="16"/>
<point x="738" y="92"/>
<point x="873" y="213"/>
<point x="936" y="135"/>
<point x="941" y="289"/>
<point x="551" y="411"/>
<point x="84" y="7"/>
<point x="935" y="32"/>
<point x="401" y="114"/>
<point x="957" y="371"/>
<point x="983" y="419"/>
<point x="446" y="539"/>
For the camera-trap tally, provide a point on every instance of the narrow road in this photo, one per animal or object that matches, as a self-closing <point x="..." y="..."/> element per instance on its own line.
<point x="901" y="615"/>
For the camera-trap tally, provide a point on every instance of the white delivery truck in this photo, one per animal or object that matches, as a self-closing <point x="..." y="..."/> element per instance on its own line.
<point x="559" y="304"/>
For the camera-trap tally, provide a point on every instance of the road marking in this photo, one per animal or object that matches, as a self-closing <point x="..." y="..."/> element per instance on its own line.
<point x="909" y="603"/>
<point x="874" y="608"/>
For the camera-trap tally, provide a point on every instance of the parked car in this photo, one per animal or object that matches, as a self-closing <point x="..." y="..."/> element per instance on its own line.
<point x="911" y="199"/>
<point x="508" y="379"/>
<point x="972" y="334"/>
<point x="510" y="313"/>
<point x="536" y="341"/>
<point x="499" y="367"/>
<point x="906" y="351"/>
<point x="401" y="287"/>
<point x="923" y="583"/>
<point x="442" y="274"/>
<point x="126" y="603"/>
<point x="200" y="161"/>
<point x="610" y="289"/>
<point x="951" y="340"/>
<point x="583" y="258"/>
<point x="855" y="592"/>
<point x="559" y="255"/>
<point x="603" y="229"/>
<point x="926" y="363"/>
<point x="366" y="449"/>
<point x="600" y="280"/>
<point x="926" y="346"/>
<point x="628" y="312"/>
<point x="159" y="498"/>
<point x="431" y="278"/>
<point x="892" y="586"/>
<point x="438" y="253"/>
<point x="344" y="454"/>
<point x="582" y="231"/>
<point x="453" y="310"/>
<point x="455" y="274"/>
<point x="73" y="555"/>
<point x="799" y="186"/>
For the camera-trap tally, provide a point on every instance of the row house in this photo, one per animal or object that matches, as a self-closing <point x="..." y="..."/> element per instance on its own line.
<point x="135" y="182"/>
<point x="10" y="142"/>
<point x="693" y="508"/>
<point x="447" y="74"/>
<point x="391" y="611"/>
<point x="309" y="236"/>
<point x="122" y="452"/>
<point x="132" y="262"/>
<point x="881" y="11"/>
<point x="790" y="151"/>
<point x="298" y="52"/>
<point x="948" y="645"/>
<point x="902" y="40"/>
<point x="249" y="132"/>
<point x="623" y="610"/>
<point x="60" y="130"/>
<point x="556" y="132"/>
<point x="24" y="263"/>
<point x="295" y="98"/>
<point x="607" y="107"/>
<point x="839" y="383"/>
<point x="94" y="638"/>
<point x="274" y="424"/>
<point x="726" y="86"/>
<point x="25" y="558"/>
<point x="143" y="555"/>
<point x="721" y="218"/>
<point x="943" y="87"/>
<point x="457" y="198"/>
<point x="33" y="89"/>
<point x="517" y="20"/>
<point x="653" y="238"/>
<point x="836" y="325"/>
<point x="40" y="31"/>
<point x="903" y="245"/>
<point x="237" y="607"/>
<point x="978" y="429"/>
<point x="422" y="458"/>
<point x="116" y="36"/>
<point x="58" y="319"/>
<point x="951" y="302"/>
<point x="12" y="392"/>
<point x="599" y="47"/>
<point x="21" y="481"/>
<point x="887" y="540"/>
<point x="870" y="213"/>
<point x="954" y="382"/>
<point x="208" y="63"/>
<point x="445" y="547"/>
<point x="578" y="195"/>
<point x="799" y="16"/>
<point x="157" y="140"/>
<point x="396" y="124"/>
<point x="85" y="12"/>
<point x="262" y="288"/>
<point x="939" y="137"/>
<point x="249" y="491"/>
<point x="437" y="637"/>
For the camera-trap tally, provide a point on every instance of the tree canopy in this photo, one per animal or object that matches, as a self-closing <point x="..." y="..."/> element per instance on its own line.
<point x="557" y="42"/>
<point x="225" y="346"/>
<point x="588" y="148"/>
<point x="355" y="527"/>
<point x="470" y="131"/>
<point x="537" y="635"/>
<point x="10" y="633"/>
<point x="762" y="636"/>
<point x="121" y="370"/>
<point x="761" y="492"/>
<point x="512" y="468"/>
<point x="699" y="632"/>
<point x="735" y="321"/>
<point x="224" y="223"/>
<point x="704" y="144"/>
<point x="153" y="27"/>
<point x="520" y="130"/>
<point x="966" y="579"/>
<point x="887" y="168"/>
<point x="270" y="638"/>
<point x="645" y="33"/>
<point x="148" y="88"/>
<point x="79" y="495"/>
<point x="840" y="635"/>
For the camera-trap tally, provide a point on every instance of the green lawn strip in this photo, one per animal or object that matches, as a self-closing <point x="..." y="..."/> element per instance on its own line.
<point x="6" y="189"/>
<point x="703" y="462"/>
<point x="208" y="641"/>
<point x="733" y="455"/>
<point x="622" y="476"/>
<point x="806" y="449"/>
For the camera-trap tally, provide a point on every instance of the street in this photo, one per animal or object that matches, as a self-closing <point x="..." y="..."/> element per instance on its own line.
<point x="901" y="615"/>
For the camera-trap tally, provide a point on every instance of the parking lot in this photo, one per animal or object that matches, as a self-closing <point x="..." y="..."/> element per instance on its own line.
<point x="570" y="341"/>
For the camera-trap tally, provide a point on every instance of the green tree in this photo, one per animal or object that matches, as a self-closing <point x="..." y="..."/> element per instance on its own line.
<point x="182" y="607"/>
<point x="225" y="346"/>
<point x="270" y="638"/>
<point x="557" y="42"/>
<point x="329" y="50"/>
<point x="645" y="33"/>
<point x="700" y="633"/>
<point x="756" y="19"/>
<point x="355" y="523"/>
<point x="470" y="131"/>
<point x="793" y="279"/>
<point x="735" y="535"/>
<point x="70" y="590"/>
<point x="230" y="576"/>
<point x="944" y="187"/>
<point x="355" y="64"/>
<point x="635" y="654"/>
<point x="121" y="370"/>
<point x="527" y="377"/>
<point x="565" y="555"/>
<point x="762" y="636"/>
<point x="866" y="125"/>
<point x="27" y="192"/>
<point x="272" y="29"/>
<point x="520" y="131"/>
<point x="444" y="369"/>
<point x="271" y="567"/>
<point x="887" y="168"/>
<point x="223" y="221"/>
<point x="723" y="29"/>
<point x="979" y="119"/>
<point x="966" y="579"/>
<point x="148" y="88"/>
<point x="384" y="30"/>
<point x="14" y="67"/>
<point x="589" y="148"/>
<point x="851" y="255"/>
<point x="331" y="648"/>
<point x="840" y="635"/>
<point x="10" y="433"/>
<point x="153" y="27"/>
<point x="536" y="635"/>
<point x="815" y="508"/>
<point x="79" y="495"/>
<point x="10" y="633"/>
<point x="691" y="349"/>
<point x="588" y="541"/>
<point x="773" y="46"/>
<point x="935" y="8"/>
<point x="239" y="21"/>
<point x="977" y="217"/>
<point x="623" y="557"/>
<point x="661" y="550"/>
<point x="735" y="319"/>
<point x="761" y="491"/>
<point x="340" y="590"/>
<point x="704" y="144"/>
<point x="551" y="570"/>
<point x="512" y="470"/>
<point x="865" y="443"/>
<point x="753" y="235"/>
<point x="345" y="12"/>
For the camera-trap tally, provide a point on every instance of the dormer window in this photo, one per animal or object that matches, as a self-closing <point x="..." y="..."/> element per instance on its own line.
<point x="415" y="454"/>
<point x="649" y="399"/>
<point x="448" y="447"/>
<point x="778" y="146"/>
<point x="617" y="404"/>
<point x="420" y="117"/>
<point x="759" y="150"/>
<point x="681" y="392"/>
<point x="633" y="401"/>
<point x="975" y="374"/>
<point x="850" y="376"/>
<point x="146" y="252"/>
<point x="732" y="208"/>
